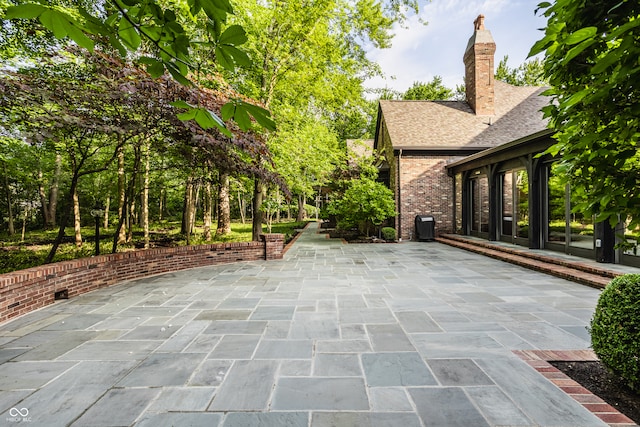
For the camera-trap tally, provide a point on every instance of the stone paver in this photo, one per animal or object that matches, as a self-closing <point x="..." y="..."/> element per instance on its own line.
<point x="410" y="334"/>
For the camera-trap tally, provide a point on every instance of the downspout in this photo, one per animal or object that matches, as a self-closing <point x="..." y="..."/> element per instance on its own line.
<point x="399" y="206"/>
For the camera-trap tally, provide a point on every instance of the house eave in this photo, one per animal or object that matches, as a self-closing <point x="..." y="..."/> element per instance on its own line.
<point x="411" y="150"/>
<point x="489" y="155"/>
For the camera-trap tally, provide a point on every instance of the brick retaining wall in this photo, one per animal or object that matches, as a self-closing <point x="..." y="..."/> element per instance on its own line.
<point x="30" y="289"/>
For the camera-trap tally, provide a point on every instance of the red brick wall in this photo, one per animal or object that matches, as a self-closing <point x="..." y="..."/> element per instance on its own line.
<point x="479" y="79"/>
<point x="425" y="189"/>
<point x="26" y="290"/>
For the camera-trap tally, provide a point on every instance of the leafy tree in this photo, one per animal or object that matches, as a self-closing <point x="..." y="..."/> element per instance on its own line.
<point x="104" y="105"/>
<point x="62" y="106"/>
<point x="358" y="199"/>
<point x="432" y="91"/>
<point x="308" y="66"/>
<point x="305" y="153"/>
<point x="591" y="61"/>
<point x="365" y="203"/>
<point x="135" y="25"/>
<point x="530" y="73"/>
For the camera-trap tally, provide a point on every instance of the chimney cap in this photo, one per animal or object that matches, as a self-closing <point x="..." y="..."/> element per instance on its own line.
<point x="479" y="23"/>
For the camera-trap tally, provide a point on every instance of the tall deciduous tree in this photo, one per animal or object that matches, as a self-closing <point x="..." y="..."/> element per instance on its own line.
<point x="529" y="73"/>
<point x="591" y="61"/>
<point x="432" y="91"/>
<point x="309" y="61"/>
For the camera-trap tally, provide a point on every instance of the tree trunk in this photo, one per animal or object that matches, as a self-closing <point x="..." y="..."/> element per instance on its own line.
<point x="302" y="201"/>
<point x="208" y="210"/>
<point x="161" y="204"/>
<point x="131" y="218"/>
<point x="124" y="195"/>
<point x="64" y="220"/>
<point x="107" y="204"/>
<point x="194" y="205"/>
<point x="122" y="233"/>
<point x="145" y="197"/>
<point x="133" y="214"/>
<point x="188" y="208"/>
<point x="258" y="197"/>
<point x="224" y="205"/>
<point x="11" y="227"/>
<point x="24" y="222"/>
<point x="242" y="207"/>
<point x="44" y="202"/>
<point x="54" y="191"/>
<point x="279" y="202"/>
<point x="76" y="218"/>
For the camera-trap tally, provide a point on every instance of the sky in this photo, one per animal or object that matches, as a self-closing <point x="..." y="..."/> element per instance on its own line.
<point x="420" y="52"/>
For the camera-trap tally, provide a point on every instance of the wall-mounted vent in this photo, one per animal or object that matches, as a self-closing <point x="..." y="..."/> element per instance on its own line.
<point x="63" y="294"/>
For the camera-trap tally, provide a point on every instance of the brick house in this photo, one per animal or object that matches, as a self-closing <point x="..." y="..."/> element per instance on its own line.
<point x="419" y="139"/>
<point x="480" y="167"/>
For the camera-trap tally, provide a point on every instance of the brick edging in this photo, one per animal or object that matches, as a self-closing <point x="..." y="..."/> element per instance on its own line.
<point x="524" y="259"/>
<point x="587" y="268"/>
<point x="539" y="360"/>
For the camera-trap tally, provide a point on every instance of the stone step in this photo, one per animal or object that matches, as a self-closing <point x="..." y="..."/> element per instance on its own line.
<point x="576" y="272"/>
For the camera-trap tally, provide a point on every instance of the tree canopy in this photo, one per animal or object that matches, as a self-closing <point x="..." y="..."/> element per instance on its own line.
<point x="433" y="91"/>
<point x="529" y="73"/>
<point x="591" y="51"/>
<point x="155" y="35"/>
<point x="163" y="99"/>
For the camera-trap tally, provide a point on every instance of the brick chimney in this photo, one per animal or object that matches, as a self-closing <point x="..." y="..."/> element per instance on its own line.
<point x="478" y="64"/>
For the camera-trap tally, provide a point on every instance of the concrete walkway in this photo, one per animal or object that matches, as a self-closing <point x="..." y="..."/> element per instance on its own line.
<point x="411" y="334"/>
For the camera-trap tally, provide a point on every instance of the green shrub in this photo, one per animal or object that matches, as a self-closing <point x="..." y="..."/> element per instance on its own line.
<point x="365" y="204"/>
<point x="615" y="328"/>
<point x="388" y="233"/>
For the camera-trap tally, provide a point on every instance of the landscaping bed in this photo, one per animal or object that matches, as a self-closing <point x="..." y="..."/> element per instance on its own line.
<point x="351" y="236"/>
<point x="593" y="376"/>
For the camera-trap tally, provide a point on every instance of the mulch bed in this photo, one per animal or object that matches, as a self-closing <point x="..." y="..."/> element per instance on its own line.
<point x="352" y="236"/>
<point x="593" y="376"/>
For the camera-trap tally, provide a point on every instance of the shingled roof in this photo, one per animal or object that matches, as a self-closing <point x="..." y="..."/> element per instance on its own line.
<point x="424" y="125"/>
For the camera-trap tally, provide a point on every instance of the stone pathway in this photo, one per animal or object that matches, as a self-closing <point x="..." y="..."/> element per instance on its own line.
<point x="411" y="334"/>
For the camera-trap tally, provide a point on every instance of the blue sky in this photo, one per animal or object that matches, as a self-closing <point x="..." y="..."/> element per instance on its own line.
<point x="421" y="52"/>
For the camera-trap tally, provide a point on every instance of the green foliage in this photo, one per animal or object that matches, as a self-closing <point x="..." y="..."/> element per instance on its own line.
<point x="432" y="91"/>
<point x="530" y="73"/>
<point x="145" y="25"/>
<point x="591" y="54"/>
<point x="615" y="328"/>
<point x="18" y="255"/>
<point x="388" y="233"/>
<point x="364" y="203"/>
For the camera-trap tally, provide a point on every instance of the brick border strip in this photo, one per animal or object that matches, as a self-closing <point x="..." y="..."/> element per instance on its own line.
<point x="548" y="265"/>
<point x="587" y="268"/>
<point x="539" y="360"/>
<point x="26" y="290"/>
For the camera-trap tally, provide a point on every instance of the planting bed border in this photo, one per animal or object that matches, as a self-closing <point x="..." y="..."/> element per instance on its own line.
<point x="539" y="360"/>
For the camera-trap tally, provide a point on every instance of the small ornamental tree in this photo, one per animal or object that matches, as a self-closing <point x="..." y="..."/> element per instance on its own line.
<point x="364" y="204"/>
<point x="615" y="328"/>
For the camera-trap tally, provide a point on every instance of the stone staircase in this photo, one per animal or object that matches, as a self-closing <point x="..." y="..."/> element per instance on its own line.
<point x="576" y="271"/>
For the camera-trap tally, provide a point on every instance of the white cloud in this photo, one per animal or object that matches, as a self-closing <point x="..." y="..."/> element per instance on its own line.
<point x="420" y="52"/>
